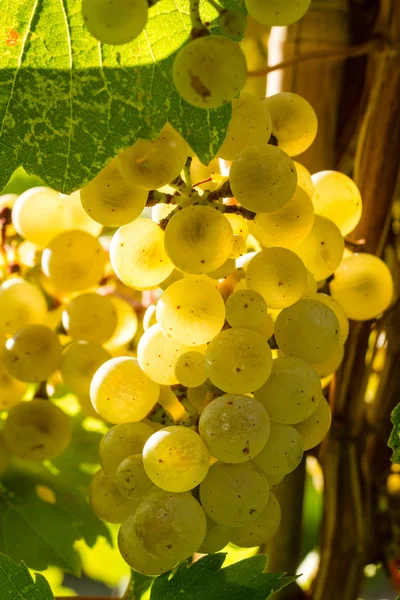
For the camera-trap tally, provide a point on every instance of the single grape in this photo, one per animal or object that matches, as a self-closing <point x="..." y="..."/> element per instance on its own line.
<point x="190" y="370"/>
<point x="322" y="250"/>
<point x="209" y="71"/>
<point x="276" y="12"/>
<point x="33" y="353"/>
<point x="262" y="530"/>
<point x="200" y="172"/>
<point x="314" y="429"/>
<point x="137" y="255"/>
<point x="238" y="223"/>
<point x="121" y="392"/>
<point x="234" y="495"/>
<point x="308" y="330"/>
<point x="239" y="246"/>
<point x="283" y="451"/>
<point x="233" y="23"/>
<point x="198" y="239"/>
<point x="37" y="430"/>
<point x="217" y="537"/>
<point x="79" y="217"/>
<point x="246" y="308"/>
<point x="304" y="180"/>
<point x="106" y="500"/>
<point x="121" y="441"/>
<point x="21" y="303"/>
<point x="363" y="286"/>
<point x="117" y="22"/>
<point x="90" y="317"/>
<point x="292" y="391"/>
<point x="337" y="197"/>
<point x="152" y="164"/>
<point x="80" y="361"/>
<point x="339" y="312"/>
<point x="149" y="317"/>
<point x="263" y="178"/>
<point x="132" y="480"/>
<point x="111" y="200"/>
<point x="311" y="288"/>
<point x="238" y="361"/>
<point x="127" y="323"/>
<point x="176" y="459"/>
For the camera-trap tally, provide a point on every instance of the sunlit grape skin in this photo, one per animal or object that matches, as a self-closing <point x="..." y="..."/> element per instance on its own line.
<point x="107" y="502"/>
<point x="117" y="24"/>
<point x="275" y="12"/>
<point x="121" y="441"/>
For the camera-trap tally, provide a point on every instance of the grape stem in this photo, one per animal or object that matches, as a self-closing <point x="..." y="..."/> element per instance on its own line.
<point x="156" y="197"/>
<point x="186" y="172"/>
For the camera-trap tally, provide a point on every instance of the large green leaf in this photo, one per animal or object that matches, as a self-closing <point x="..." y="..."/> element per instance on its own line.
<point x="68" y="104"/>
<point x="16" y="583"/>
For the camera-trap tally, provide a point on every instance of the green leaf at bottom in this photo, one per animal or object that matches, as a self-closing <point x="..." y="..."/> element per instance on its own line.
<point x="16" y="583"/>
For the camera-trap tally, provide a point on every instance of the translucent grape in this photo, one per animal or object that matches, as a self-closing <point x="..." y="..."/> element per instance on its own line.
<point x="276" y="12"/>
<point x="338" y="198"/>
<point x="363" y="286"/>
<point x="111" y="200"/>
<point x="246" y="308"/>
<point x="127" y="323"/>
<point x="121" y="441"/>
<point x="267" y="328"/>
<point x="308" y="330"/>
<point x="74" y="260"/>
<point x="238" y="361"/>
<point x="149" y="317"/>
<point x="339" y="312"/>
<point x="79" y="217"/>
<point x="235" y="428"/>
<point x="304" y="180"/>
<point x="28" y="211"/>
<point x="90" y="317"/>
<point x="200" y="172"/>
<point x="294" y="122"/>
<point x="332" y="363"/>
<point x="224" y="271"/>
<point x="33" y="353"/>
<point x="238" y="223"/>
<point x="314" y="429"/>
<point x="136" y="555"/>
<point x="262" y="530"/>
<point x="234" y="495"/>
<point x="292" y="391"/>
<point x="191" y="311"/>
<point x="176" y="459"/>
<point x="263" y="178"/>
<point x="116" y="23"/>
<point x="106" y="500"/>
<point x="37" y="430"/>
<point x="250" y="125"/>
<point x="322" y="250"/>
<point x="138" y="256"/>
<point x="312" y="286"/>
<point x="209" y="71"/>
<point x="288" y="226"/>
<point x="80" y="361"/>
<point x="132" y="479"/>
<point x="121" y="392"/>
<point x="152" y="164"/>
<point x="283" y="451"/>
<point x="190" y="370"/>
<point x="239" y="246"/>
<point x="198" y="239"/>
<point x="217" y="537"/>
<point x="21" y="303"/>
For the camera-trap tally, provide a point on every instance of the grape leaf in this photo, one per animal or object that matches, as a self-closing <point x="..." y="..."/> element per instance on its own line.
<point x="394" y="440"/>
<point x="206" y="580"/>
<point x="68" y="104"/>
<point x="138" y="585"/>
<point x="16" y="583"/>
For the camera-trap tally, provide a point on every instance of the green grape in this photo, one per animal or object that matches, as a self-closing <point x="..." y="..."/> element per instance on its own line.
<point x="276" y="12"/>
<point x="127" y="323"/>
<point x="132" y="480"/>
<point x="5" y="455"/>
<point x="149" y="317"/>
<point x="111" y="200"/>
<point x="274" y="480"/>
<point x="209" y="71"/>
<point x="262" y="530"/>
<point x="161" y="211"/>
<point x="198" y="239"/>
<point x="28" y="215"/>
<point x="37" y="430"/>
<point x="250" y="125"/>
<point x="157" y="355"/>
<point x="288" y="226"/>
<point x="239" y="224"/>
<point x="122" y="441"/>
<point x="235" y="428"/>
<point x="234" y="495"/>
<point x="339" y="312"/>
<point x="311" y="288"/>
<point x="224" y="271"/>
<point x="90" y="317"/>
<point x="79" y="217"/>
<point x="115" y="23"/>
<point x="135" y="554"/>
<point x="74" y="260"/>
<point x="21" y="303"/>
<point x="338" y="198"/>
<point x="314" y="429"/>
<point x="176" y="459"/>
<point x="217" y="537"/>
<point x="332" y="363"/>
<point x="200" y="172"/>
<point x="304" y="180"/>
<point x="33" y="353"/>
<point x="121" y="392"/>
<point x="278" y="275"/>
<point x="263" y="178"/>
<point x="190" y="370"/>
<point x="294" y="122"/>
<point x="246" y="308"/>
<point x="106" y="500"/>
<point x="80" y="361"/>
<point x="191" y="311"/>
<point x="138" y="256"/>
<point x="308" y="330"/>
<point x="322" y="250"/>
<point x="283" y="451"/>
<point x="363" y="286"/>
<point x="233" y="23"/>
<point x="152" y="164"/>
<point x="170" y="526"/>
<point x="292" y="391"/>
<point x="238" y="361"/>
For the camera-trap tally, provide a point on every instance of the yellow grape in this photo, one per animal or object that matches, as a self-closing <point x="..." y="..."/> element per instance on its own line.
<point x="339" y="312"/>
<point x="322" y="250"/>
<point x="149" y="317"/>
<point x="224" y="270"/>
<point x="283" y="451"/>
<point x="132" y="480"/>
<point x="304" y="180"/>
<point x="106" y="500"/>
<point x="246" y="308"/>
<point x="21" y="303"/>
<point x="314" y="429"/>
<point x="121" y="441"/>
<point x="338" y="198"/>
<point x="262" y="530"/>
<point x="239" y="246"/>
<point x="11" y="390"/>
<point x="200" y="172"/>
<point x="217" y="537"/>
<point x="312" y="286"/>
<point x="80" y="361"/>
<point x="115" y="23"/>
<point x="79" y="217"/>
<point x="190" y="370"/>
<point x="175" y="276"/>
<point x="127" y="323"/>
<point x="238" y="223"/>
<point x="90" y="317"/>
<point x="276" y="12"/>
